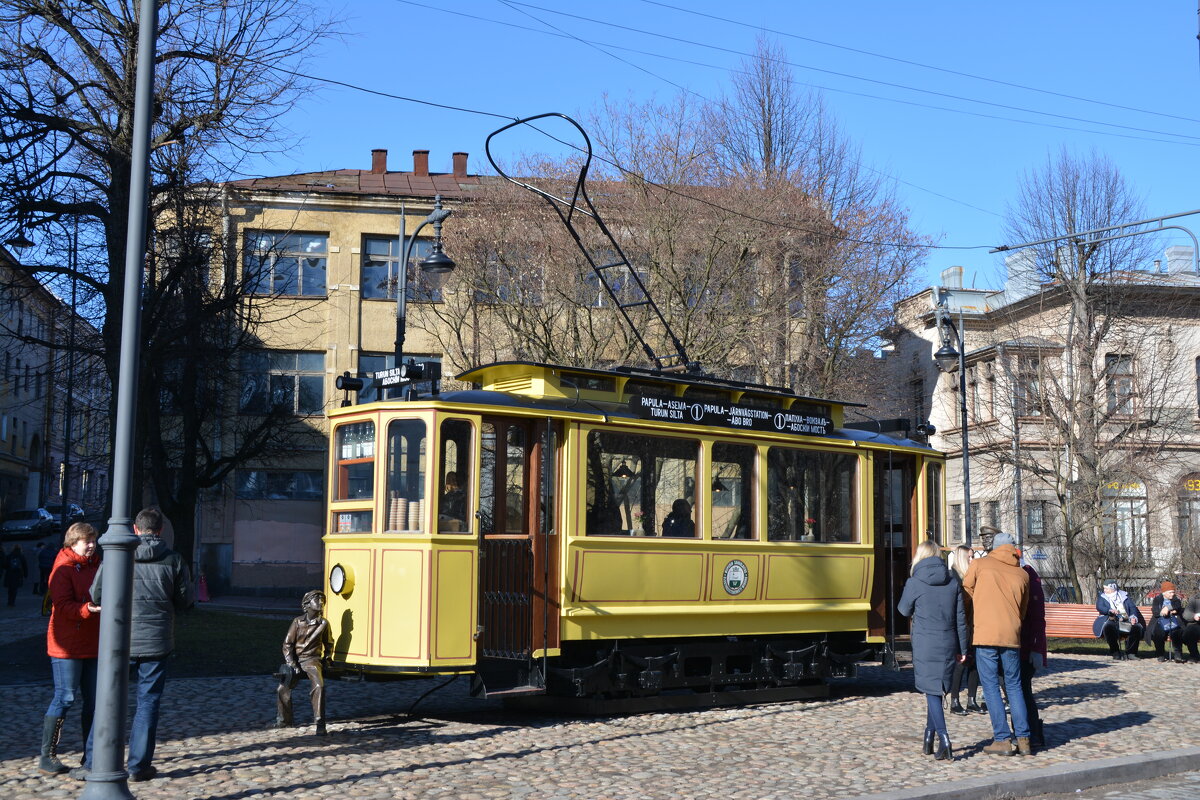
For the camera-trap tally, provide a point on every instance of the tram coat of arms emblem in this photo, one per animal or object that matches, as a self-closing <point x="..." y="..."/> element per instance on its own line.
<point x="735" y="577"/>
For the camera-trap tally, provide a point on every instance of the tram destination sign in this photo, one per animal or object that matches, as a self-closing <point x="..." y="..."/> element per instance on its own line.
<point x="807" y="422"/>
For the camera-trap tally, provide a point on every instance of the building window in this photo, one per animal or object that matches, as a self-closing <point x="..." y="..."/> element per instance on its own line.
<point x="279" y="484"/>
<point x="973" y="521"/>
<point x="993" y="513"/>
<point x="293" y="382"/>
<point x="917" y="388"/>
<point x="1029" y="386"/>
<point x="955" y="522"/>
<point x="1035" y="519"/>
<point x="1124" y="523"/>
<point x="286" y="263"/>
<point x="622" y="281"/>
<point x="380" y="273"/>
<point x="1189" y="516"/>
<point x="1118" y="380"/>
<point x="1198" y="386"/>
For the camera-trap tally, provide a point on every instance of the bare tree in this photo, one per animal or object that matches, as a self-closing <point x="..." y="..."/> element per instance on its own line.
<point x="66" y="112"/>
<point x="1092" y="362"/>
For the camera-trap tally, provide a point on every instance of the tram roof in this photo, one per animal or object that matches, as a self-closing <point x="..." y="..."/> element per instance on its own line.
<point x="555" y="380"/>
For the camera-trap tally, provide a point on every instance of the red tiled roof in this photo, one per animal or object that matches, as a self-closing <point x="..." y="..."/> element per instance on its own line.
<point x="363" y="181"/>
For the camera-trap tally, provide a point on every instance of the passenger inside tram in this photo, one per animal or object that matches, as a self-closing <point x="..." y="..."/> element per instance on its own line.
<point x="679" y="521"/>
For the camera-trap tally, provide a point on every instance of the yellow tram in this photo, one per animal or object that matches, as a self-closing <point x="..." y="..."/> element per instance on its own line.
<point x="618" y="534"/>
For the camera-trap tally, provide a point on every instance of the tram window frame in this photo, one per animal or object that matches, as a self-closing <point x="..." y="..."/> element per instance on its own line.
<point x="733" y="491"/>
<point x="607" y="451"/>
<point x="454" y="505"/>
<point x="355" y="448"/>
<point x="405" y="480"/>
<point x="822" y="522"/>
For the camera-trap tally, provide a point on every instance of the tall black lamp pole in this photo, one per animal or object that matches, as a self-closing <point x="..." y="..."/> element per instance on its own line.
<point x="108" y="778"/>
<point x="437" y="262"/>
<point x="948" y="359"/>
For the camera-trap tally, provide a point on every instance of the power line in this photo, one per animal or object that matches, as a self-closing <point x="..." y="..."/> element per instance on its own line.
<point x="821" y="87"/>
<point x="849" y="75"/>
<point x="897" y="60"/>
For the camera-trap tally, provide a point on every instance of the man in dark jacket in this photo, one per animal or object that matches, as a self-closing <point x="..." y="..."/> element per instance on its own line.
<point x="160" y="588"/>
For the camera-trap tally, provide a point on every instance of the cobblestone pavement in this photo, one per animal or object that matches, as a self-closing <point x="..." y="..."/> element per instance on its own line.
<point x="214" y="743"/>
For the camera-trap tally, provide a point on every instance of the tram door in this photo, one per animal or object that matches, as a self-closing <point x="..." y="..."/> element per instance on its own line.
<point x="895" y="510"/>
<point x="517" y="554"/>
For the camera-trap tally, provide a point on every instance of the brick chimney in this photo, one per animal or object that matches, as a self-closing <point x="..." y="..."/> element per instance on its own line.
<point x="421" y="163"/>
<point x="460" y="165"/>
<point x="378" y="161"/>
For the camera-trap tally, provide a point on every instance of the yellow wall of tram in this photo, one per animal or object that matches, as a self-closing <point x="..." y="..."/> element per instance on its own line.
<point x="415" y="599"/>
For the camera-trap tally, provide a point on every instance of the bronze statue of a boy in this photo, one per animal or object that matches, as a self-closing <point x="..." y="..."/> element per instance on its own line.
<point x="307" y="644"/>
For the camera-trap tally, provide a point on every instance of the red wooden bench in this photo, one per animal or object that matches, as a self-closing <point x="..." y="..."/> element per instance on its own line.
<point x="1074" y="620"/>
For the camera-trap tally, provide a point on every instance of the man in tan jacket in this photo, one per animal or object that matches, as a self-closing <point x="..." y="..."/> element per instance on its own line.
<point x="999" y="591"/>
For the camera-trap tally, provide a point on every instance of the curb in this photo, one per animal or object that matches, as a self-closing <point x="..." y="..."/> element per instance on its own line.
<point x="1059" y="779"/>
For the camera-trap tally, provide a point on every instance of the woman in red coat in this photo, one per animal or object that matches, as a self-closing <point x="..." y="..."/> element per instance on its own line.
<point x="72" y="641"/>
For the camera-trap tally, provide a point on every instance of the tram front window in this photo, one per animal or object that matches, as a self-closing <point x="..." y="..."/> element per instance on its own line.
<point x="810" y="495"/>
<point x="641" y="485"/>
<point x="406" y="476"/>
<point x="454" y="471"/>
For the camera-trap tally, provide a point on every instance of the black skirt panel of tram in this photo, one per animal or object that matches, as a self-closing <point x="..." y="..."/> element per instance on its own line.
<point x="648" y="667"/>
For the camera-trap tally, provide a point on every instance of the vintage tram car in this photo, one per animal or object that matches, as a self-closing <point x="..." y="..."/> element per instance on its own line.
<point x="618" y="534"/>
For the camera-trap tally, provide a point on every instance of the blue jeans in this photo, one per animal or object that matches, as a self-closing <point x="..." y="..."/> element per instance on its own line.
<point x="991" y="661"/>
<point x="75" y="678"/>
<point x="150" y="675"/>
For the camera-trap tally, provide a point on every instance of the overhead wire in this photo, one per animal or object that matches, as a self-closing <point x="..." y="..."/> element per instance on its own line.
<point x="909" y="62"/>
<point x="849" y="75"/>
<point x="716" y="205"/>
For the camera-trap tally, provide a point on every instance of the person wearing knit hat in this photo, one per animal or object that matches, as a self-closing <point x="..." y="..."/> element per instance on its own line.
<point x="1166" y="614"/>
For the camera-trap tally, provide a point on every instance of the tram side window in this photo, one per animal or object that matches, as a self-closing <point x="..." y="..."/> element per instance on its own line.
<point x="356" y="461"/>
<point x="454" y="472"/>
<point x="641" y="485"/>
<point x="933" y="503"/>
<point x="810" y="496"/>
<point x="732" y="490"/>
<point x="406" y="475"/>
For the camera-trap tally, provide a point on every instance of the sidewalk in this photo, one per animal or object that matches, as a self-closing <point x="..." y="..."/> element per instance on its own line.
<point x="1101" y="717"/>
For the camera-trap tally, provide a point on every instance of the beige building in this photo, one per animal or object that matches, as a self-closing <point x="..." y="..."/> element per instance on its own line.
<point x="326" y="247"/>
<point x="1084" y="438"/>
<point x="46" y="396"/>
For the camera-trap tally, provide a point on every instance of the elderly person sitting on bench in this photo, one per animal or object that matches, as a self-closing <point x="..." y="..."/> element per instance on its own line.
<point x="1118" y="615"/>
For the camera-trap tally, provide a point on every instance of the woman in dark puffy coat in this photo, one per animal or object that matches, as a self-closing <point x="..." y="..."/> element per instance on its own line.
<point x="932" y="597"/>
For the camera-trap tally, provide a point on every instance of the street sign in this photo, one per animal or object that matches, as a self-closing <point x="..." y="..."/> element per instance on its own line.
<point x="389" y="377"/>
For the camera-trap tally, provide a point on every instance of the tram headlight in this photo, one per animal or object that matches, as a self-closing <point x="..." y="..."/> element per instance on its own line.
<point x="341" y="580"/>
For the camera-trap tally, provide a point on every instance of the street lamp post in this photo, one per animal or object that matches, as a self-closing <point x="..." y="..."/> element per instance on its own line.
<point x="108" y="778"/>
<point x="436" y="262"/>
<point x="948" y="359"/>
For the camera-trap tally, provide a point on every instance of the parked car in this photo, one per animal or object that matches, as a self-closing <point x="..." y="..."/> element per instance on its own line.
<point x="29" y="523"/>
<point x="74" y="512"/>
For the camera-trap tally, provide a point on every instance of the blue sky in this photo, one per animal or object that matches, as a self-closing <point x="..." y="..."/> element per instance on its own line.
<point x="957" y="165"/>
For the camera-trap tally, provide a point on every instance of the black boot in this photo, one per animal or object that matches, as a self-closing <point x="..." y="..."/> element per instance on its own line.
<point x="944" y="753"/>
<point x="956" y="708"/>
<point x="976" y="707"/>
<point x="927" y="745"/>
<point x="49" y="763"/>
<point x="1037" y="735"/>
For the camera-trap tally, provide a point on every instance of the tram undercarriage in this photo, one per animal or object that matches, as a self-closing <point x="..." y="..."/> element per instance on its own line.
<point x="648" y="668"/>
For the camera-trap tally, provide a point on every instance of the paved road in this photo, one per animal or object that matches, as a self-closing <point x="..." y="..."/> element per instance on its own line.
<point x="1184" y="786"/>
<point x="213" y="740"/>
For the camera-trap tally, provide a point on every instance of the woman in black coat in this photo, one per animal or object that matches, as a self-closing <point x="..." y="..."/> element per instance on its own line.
<point x="932" y="597"/>
<point x="1166" y="622"/>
